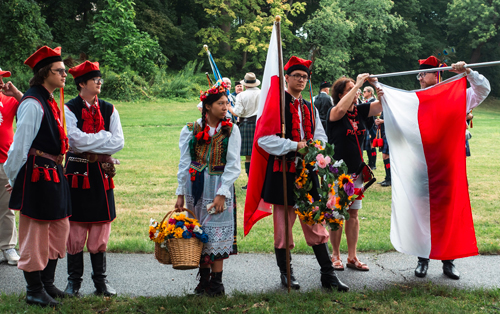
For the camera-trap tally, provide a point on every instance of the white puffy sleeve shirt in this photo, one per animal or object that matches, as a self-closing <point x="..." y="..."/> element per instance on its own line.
<point x="103" y="142"/>
<point x="232" y="169"/>
<point x="278" y="146"/>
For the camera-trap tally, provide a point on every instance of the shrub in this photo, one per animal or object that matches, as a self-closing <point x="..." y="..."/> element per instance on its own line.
<point x="187" y="83"/>
<point x="128" y="85"/>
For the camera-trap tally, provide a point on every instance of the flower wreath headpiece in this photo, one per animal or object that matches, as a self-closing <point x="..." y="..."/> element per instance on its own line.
<point x="219" y="87"/>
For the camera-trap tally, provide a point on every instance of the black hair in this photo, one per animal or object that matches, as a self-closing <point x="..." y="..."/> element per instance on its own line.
<point x="209" y="101"/>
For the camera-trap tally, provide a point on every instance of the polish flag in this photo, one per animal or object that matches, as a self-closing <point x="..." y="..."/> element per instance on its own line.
<point x="268" y="123"/>
<point x="431" y="211"/>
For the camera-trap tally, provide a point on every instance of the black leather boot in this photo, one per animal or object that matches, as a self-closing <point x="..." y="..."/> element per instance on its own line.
<point x="422" y="266"/>
<point x="281" y="260"/>
<point x="47" y="276"/>
<point x="215" y="288"/>
<point x="99" y="275"/>
<point x="35" y="293"/>
<point x="329" y="279"/>
<point x="450" y="270"/>
<point x="204" y="274"/>
<point x="75" y="273"/>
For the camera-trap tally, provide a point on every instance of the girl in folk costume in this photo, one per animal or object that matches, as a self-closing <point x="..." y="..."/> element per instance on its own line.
<point x="35" y="175"/>
<point x="95" y="133"/>
<point x="208" y="167"/>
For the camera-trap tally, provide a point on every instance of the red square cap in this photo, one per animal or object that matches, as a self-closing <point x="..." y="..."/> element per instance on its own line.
<point x="85" y="71"/>
<point x="296" y="63"/>
<point x="42" y="57"/>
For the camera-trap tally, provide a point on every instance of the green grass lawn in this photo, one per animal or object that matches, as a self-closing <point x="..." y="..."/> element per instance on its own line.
<point x="146" y="182"/>
<point x="422" y="298"/>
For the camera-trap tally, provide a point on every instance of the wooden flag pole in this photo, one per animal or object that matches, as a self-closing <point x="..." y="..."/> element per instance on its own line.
<point x="283" y="161"/>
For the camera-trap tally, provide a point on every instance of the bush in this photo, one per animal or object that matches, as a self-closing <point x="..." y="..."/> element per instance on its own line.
<point x="187" y="83"/>
<point x="128" y="85"/>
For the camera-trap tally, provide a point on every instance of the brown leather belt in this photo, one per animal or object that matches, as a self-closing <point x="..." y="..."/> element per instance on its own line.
<point x="57" y="159"/>
<point x="91" y="157"/>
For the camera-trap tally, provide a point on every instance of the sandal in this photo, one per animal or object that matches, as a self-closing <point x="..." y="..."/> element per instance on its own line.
<point x="337" y="263"/>
<point x="355" y="263"/>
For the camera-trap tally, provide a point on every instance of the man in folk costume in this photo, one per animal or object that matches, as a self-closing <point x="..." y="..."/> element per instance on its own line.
<point x="300" y="127"/>
<point x="36" y="179"/>
<point x="95" y="133"/>
<point x="476" y="94"/>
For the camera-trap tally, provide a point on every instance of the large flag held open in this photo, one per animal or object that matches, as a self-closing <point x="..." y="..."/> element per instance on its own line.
<point x="431" y="212"/>
<point x="268" y="123"/>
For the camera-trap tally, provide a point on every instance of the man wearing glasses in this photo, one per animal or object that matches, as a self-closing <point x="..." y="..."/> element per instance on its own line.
<point x="36" y="179"/>
<point x="476" y="94"/>
<point x="302" y="124"/>
<point x="95" y="133"/>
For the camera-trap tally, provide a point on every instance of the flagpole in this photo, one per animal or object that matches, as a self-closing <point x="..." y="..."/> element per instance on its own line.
<point x="472" y="65"/>
<point x="283" y="161"/>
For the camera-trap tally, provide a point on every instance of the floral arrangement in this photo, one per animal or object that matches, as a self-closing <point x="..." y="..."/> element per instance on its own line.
<point x="179" y="226"/>
<point x="219" y="87"/>
<point x="336" y="190"/>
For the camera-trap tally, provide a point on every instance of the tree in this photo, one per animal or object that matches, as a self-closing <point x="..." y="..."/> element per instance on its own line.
<point x="241" y="29"/>
<point x="118" y="42"/>
<point x="22" y="29"/>
<point x="326" y="36"/>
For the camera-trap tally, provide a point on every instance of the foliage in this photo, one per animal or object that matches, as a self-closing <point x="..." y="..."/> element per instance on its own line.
<point x="187" y="83"/>
<point x="243" y="28"/>
<point x="127" y="85"/>
<point x="22" y="29"/>
<point x="336" y="190"/>
<point x="119" y="43"/>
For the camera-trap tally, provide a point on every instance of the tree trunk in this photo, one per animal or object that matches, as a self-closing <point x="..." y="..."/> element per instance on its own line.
<point x="476" y="54"/>
<point x="226" y="28"/>
<point x="244" y="60"/>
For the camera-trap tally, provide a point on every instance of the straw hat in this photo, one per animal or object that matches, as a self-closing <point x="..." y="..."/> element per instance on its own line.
<point x="250" y="80"/>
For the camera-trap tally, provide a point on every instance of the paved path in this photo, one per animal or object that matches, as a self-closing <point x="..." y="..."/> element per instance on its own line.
<point x="142" y="275"/>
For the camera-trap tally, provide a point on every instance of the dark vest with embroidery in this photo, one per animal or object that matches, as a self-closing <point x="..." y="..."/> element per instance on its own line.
<point x="272" y="190"/>
<point x="42" y="194"/>
<point x="215" y="152"/>
<point x="91" y="189"/>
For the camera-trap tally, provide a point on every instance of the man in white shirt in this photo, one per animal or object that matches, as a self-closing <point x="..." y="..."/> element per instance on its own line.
<point x="95" y="133"/>
<point x="247" y="104"/>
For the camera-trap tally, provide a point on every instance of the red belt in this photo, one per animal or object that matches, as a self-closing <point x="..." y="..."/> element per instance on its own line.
<point x="57" y="159"/>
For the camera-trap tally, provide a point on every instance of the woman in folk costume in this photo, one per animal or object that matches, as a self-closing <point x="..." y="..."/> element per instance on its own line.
<point x="35" y="173"/>
<point x="95" y="133"/>
<point x="208" y="167"/>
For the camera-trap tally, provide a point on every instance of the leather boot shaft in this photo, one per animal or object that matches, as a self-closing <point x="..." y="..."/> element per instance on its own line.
<point x="47" y="277"/>
<point x="75" y="273"/>
<point x="35" y="292"/>
<point x="98" y="261"/>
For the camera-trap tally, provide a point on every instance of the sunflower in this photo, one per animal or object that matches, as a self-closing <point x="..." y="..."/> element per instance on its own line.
<point x="343" y="179"/>
<point x="337" y="203"/>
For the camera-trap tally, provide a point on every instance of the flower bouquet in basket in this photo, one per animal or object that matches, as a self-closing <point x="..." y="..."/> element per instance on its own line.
<point x="336" y="190"/>
<point x="181" y="237"/>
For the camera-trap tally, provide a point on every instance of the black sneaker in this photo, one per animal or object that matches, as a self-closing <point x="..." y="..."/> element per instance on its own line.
<point x="386" y="183"/>
<point x="244" y="187"/>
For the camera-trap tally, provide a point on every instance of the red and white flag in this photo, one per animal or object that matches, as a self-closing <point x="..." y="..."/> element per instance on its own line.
<point x="268" y="123"/>
<point x="431" y="211"/>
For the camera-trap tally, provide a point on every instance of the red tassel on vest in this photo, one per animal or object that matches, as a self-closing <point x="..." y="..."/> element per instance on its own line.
<point x="86" y="184"/>
<point x="46" y="174"/>
<point x="106" y="184"/>
<point x="35" y="176"/>
<point x="111" y="183"/>
<point x="74" y="182"/>
<point x="55" y="175"/>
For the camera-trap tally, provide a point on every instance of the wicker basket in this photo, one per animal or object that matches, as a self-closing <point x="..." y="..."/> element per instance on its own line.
<point x="162" y="255"/>
<point x="185" y="253"/>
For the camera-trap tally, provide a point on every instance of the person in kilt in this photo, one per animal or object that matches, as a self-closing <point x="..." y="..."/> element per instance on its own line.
<point x="208" y="167"/>
<point x="95" y="133"/>
<point x="247" y="104"/>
